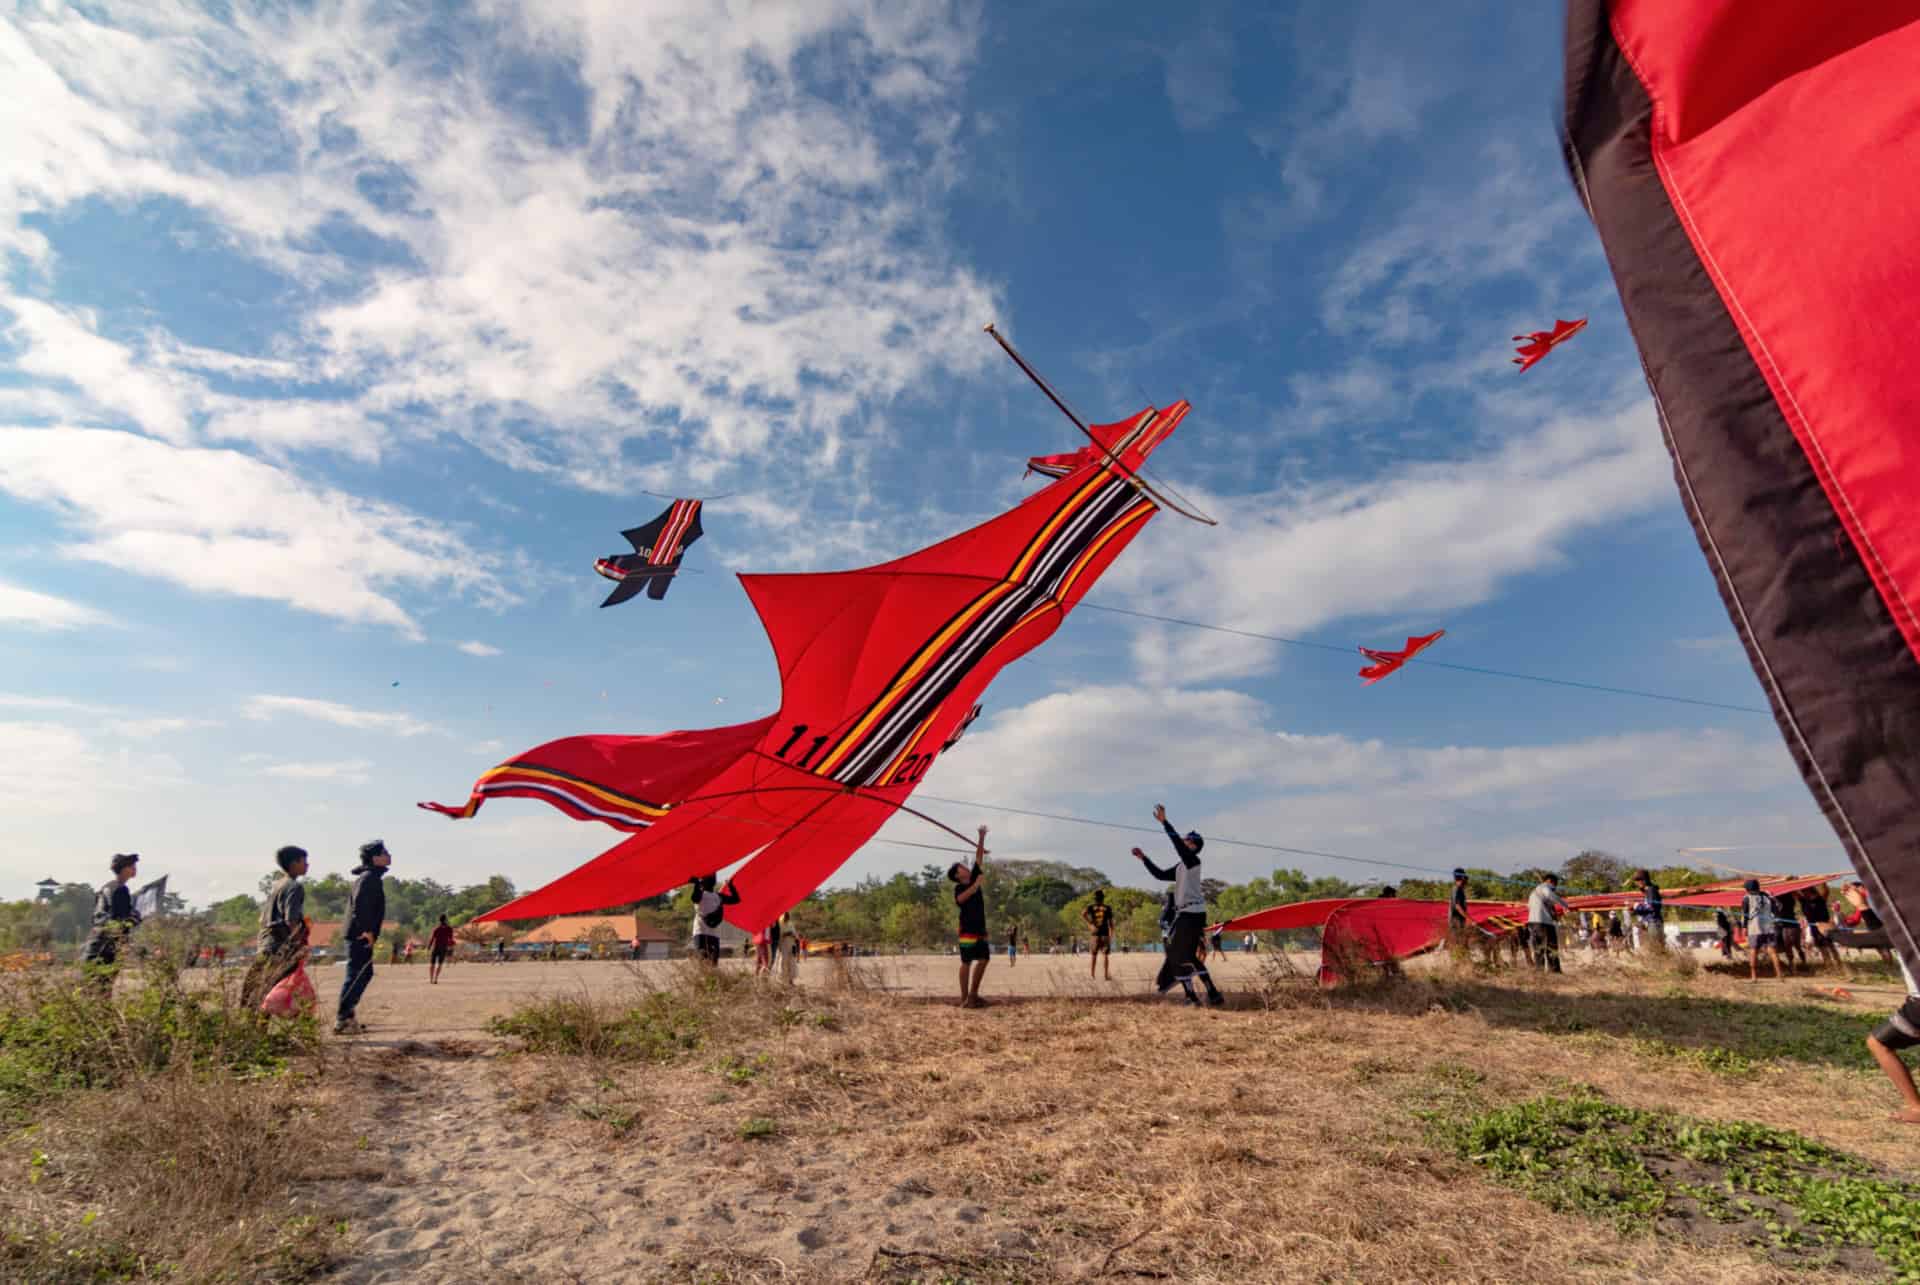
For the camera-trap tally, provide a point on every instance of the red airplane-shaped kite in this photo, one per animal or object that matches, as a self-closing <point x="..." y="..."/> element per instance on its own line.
<point x="1385" y="662"/>
<point x="1541" y="342"/>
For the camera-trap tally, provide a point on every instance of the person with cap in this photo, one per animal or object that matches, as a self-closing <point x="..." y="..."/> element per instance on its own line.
<point x="283" y="929"/>
<point x="1757" y="908"/>
<point x="1458" y="922"/>
<point x="114" y="919"/>
<point x="1182" y="963"/>
<point x="1544" y="906"/>
<point x="366" y="911"/>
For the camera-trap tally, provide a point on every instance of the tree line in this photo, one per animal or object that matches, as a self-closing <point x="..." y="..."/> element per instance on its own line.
<point x="1044" y="899"/>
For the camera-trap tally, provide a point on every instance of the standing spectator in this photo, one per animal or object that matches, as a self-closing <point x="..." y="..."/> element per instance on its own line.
<point x="366" y="911"/>
<point x="114" y="918"/>
<point x="1098" y="917"/>
<point x="1725" y="927"/>
<point x="796" y="947"/>
<point x="709" y="908"/>
<point x="1786" y="928"/>
<point x="1013" y="944"/>
<point x="1819" y="916"/>
<point x="439" y="948"/>
<point x="283" y="929"/>
<point x="1182" y="963"/>
<point x="1597" y="932"/>
<point x="1757" y="908"/>
<point x="774" y="935"/>
<point x="500" y="951"/>
<point x="975" y="949"/>
<point x="1650" y="915"/>
<point x="762" y="953"/>
<point x="1459" y="923"/>
<point x="1544" y="903"/>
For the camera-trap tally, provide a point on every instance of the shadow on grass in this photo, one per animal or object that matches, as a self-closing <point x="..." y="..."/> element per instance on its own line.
<point x="1812" y="1033"/>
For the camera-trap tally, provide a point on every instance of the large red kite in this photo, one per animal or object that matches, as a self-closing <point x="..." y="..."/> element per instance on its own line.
<point x="879" y="670"/>
<point x="1538" y="344"/>
<point x="1750" y="170"/>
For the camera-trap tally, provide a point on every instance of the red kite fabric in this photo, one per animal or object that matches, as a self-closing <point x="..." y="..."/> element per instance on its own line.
<point x="879" y="669"/>
<point x="1749" y="169"/>
<point x="1533" y="347"/>
<point x="1378" y="929"/>
<point x="1386" y="662"/>
<point x="1725" y="892"/>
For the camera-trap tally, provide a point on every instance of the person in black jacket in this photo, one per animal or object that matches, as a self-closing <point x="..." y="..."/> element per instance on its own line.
<point x="1182" y="963"/>
<point x="366" y="910"/>
<point x="113" y="917"/>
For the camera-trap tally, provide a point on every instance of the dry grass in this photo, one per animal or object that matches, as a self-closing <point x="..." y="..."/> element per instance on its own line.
<point x="1283" y="1139"/>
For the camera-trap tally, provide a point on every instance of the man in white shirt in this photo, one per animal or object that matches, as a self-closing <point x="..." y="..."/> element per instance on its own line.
<point x="1544" y="906"/>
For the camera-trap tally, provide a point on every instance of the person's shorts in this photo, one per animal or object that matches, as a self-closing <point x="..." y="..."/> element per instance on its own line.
<point x="1789" y="935"/>
<point x="1818" y="934"/>
<point x="1761" y="941"/>
<point x="974" y="952"/>
<point x="1902" y="1030"/>
<point x="440" y="956"/>
<point x="1103" y="942"/>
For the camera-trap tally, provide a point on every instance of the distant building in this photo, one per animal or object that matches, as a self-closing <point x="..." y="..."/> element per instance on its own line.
<point x="49" y="889"/>
<point x="576" y="933"/>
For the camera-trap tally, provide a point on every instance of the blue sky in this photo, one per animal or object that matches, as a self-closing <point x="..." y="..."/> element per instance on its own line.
<point x="337" y="342"/>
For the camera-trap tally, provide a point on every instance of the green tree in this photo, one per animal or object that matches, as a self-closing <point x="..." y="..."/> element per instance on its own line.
<point x="237" y="909"/>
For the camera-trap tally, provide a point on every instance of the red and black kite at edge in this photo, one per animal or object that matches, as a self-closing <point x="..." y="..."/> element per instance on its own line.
<point x="1750" y="170"/>
<point x="1537" y="345"/>
<point x="657" y="549"/>
<point x="1387" y="662"/>
<point x="880" y="668"/>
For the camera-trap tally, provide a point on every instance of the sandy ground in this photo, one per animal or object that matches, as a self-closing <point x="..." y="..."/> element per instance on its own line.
<point x="400" y="1005"/>
<point x="884" y="1135"/>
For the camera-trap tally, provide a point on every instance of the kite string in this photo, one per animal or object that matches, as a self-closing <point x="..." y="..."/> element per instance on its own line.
<point x="1438" y="664"/>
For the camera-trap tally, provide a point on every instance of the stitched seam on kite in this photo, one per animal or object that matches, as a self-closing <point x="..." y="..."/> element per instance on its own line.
<point x="984" y="612"/>
<point x="1765" y="666"/>
<point x="1830" y="482"/>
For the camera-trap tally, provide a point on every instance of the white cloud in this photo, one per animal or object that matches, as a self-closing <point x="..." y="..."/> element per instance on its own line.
<point x="478" y="649"/>
<point x="697" y="239"/>
<point x="1200" y="79"/>
<point x="1236" y="775"/>
<point x="1420" y="541"/>
<point x="55" y="704"/>
<point x="217" y="521"/>
<point x="53" y="769"/>
<point x="365" y="720"/>
<point x="348" y="772"/>
<point x="36" y="610"/>
<point x="146" y="728"/>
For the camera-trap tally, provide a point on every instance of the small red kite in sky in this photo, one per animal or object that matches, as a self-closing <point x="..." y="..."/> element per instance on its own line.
<point x="1541" y="342"/>
<point x="1385" y="662"/>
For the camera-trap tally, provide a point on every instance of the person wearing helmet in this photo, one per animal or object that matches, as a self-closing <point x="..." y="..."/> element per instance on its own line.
<point x="114" y="917"/>
<point x="366" y="911"/>
<point x="1182" y="963"/>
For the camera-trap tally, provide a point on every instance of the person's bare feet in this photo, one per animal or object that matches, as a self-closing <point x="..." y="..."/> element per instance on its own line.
<point x="1906" y="1115"/>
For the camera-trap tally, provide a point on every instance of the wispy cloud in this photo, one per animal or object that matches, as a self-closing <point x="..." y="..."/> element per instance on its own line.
<point x="365" y="720"/>
<point x="146" y="728"/>
<point x="267" y="535"/>
<point x="680" y="231"/>
<point x="478" y="649"/>
<point x="1200" y="79"/>
<point x="36" y="610"/>
<point x="1422" y="538"/>
<point x="348" y="772"/>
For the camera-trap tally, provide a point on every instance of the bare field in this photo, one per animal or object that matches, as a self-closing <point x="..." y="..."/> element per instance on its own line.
<point x="864" y="1128"/>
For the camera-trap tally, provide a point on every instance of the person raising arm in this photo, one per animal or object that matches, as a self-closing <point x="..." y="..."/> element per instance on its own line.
<point x="1182" y="963"/>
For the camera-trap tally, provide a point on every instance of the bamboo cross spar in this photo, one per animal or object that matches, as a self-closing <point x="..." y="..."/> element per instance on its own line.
<point x="1133" y="476"/>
